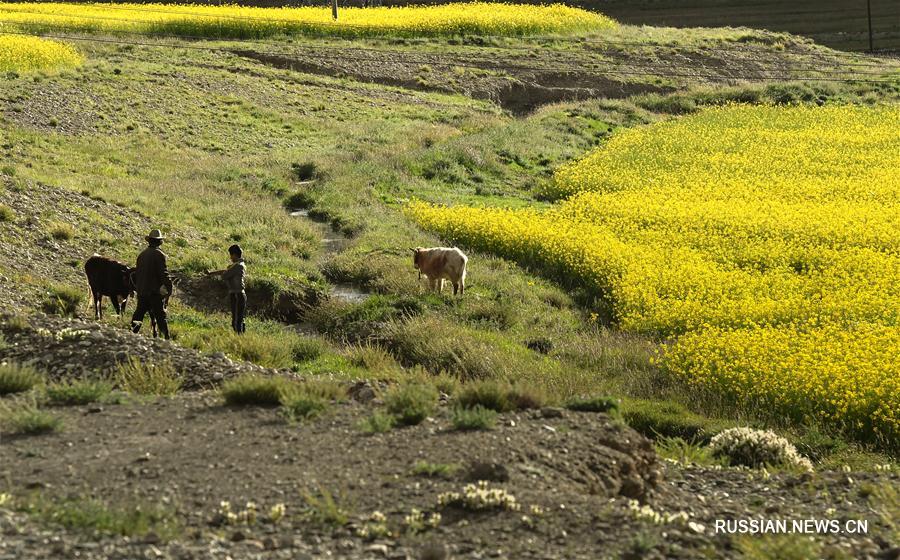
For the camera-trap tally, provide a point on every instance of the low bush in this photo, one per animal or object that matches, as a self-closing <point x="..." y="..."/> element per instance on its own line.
<point x="298" y="405"/>
<point x="475" y="418"/>
<point x="16" y="378"/>
<point x="434" y="470"/>
<point x="89" y="515"/>
<point x="411" y="403"/>
<point x="62" y="300"/>
<point x="490" y="394"/>
<point x="147" y="379"/>
<point x="30" y="420"/>
<point x="78" y="392"/>
<point x="253" y="390"/>
<point x="6" y="214"/>
<point x="757" y="448"/>
<point x="594" y="404"/>
<point x="61" y="231"/>
<point x="378" y="423"/>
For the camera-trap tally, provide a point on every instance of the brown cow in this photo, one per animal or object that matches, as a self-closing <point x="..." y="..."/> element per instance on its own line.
<point x="439" y="263"/>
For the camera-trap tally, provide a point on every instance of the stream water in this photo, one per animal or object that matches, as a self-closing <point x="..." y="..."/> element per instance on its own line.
<point x="333" y="242"/>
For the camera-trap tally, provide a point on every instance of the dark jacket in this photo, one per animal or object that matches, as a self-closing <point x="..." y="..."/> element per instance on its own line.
<point x="234" y="277"/>
<point x="152" y="273"/>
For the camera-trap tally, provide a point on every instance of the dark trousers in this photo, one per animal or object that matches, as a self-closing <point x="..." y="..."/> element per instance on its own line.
<point x="152" y="304"/>
<point x="238" y="311"/>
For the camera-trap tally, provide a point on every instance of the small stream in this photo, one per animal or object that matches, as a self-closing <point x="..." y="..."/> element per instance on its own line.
<point x="333" y="242"/>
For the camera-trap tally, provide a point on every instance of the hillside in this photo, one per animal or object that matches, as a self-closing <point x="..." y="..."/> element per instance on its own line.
<point x="309" y="151"/>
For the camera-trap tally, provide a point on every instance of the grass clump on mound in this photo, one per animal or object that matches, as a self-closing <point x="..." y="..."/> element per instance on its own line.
<point x="237" y="22"/>
<point x="78" y="392"/>
<point x="24" y="54"/>
<point x="28" y="419"/>
<point x="147" y="379"/>
<point x="16" y="378"/>
<point x="501" y="396"/>
<point x="411" y="403"/>
<point x="298" y="400"/>
<point x="475" y="418"/>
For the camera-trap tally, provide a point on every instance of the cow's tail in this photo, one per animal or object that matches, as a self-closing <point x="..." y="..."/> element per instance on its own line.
<point x="90" y="298"/>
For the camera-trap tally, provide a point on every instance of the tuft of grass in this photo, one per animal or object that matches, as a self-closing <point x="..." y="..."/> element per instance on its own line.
<point x="411" y="403"/>
<point x="16" y="378"/>
<point x="487" y="394"/>
<point x="378" y="423"/>
<point x="61" y="231"/>
<point x="302" y="401"/>
<point x="667" y="418"/>
<point x="307" y="349"/>
<point x="253" y="390"/>
<point x="62" y="300"/>
<point x="323" y="508"/>
<point x="17" y="323"/>
<point x="372" y="357"/>
<point x="475" y="418"/>
<point x="686" y="452"/>
<point x="141" y="378"/>
<point x="501" y="396"/>
<point x="298" y="405"/>
<point x="78" y="392"/>
<point x="92" y="516"/>
<point x="885" y="500"/>
<point x="593" y="404"/>
<point x="30" y="420"/>
<point x="777" y="547"/>
<point x="435" y="470"/>
<point x="6" y="213"/>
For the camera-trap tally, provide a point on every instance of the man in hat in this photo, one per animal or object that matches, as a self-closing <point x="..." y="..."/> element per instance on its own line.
<point x="152" y="284"/>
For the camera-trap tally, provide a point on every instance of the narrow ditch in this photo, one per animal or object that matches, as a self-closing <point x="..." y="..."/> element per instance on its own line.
<point x="333" y="242"/>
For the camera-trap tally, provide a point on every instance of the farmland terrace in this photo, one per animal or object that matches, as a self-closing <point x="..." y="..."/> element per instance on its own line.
<point x="356" y="405"/>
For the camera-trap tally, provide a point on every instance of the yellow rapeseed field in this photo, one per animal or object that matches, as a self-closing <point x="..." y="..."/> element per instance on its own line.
<point x="247" y="22"/>
<point x="764" y="241"/>
<point x="22" y="54"/>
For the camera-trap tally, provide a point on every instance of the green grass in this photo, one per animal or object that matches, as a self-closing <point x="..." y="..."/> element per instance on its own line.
<point x="61" y="231"/>
<point x="686" y="452"/>
<point x="435" y="470"/>
<point x="411" y="403"/>
<point x="475" y="418"/>
<point x="28" y="419"/>
<point x="379" y="422"/>
<point x="502" y="396"/>
<point x="6" y="213"/>
<point x="147" y="379"/>
<point x="216" y="158"/>
<point x="91" y="516"/>
<point x="16" y="378"/>
<point x="253" y="390"/>
<point x="79" y="392"/>
<point x="63" y="300"/>
<point x="322" y="507"/>
<point x="594" y="404"/>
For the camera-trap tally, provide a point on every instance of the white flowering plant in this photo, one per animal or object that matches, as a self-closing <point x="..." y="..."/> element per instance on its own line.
<point x="757" y="448"/>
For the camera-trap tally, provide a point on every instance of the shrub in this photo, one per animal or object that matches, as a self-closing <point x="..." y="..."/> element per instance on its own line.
<point x="298" y="405"/>
<point x="411" y="403"/>
<point x="372" y="357"/>
<point x="16" y="378"/>
<point x="93" y="516"/>
<point x="148" y="379"/>
<point x="487" y="393"/>
<point x="6" y="213"/>
<point x="62" y="300"/>
<point x="61" y="231"/>
<point x="757" y="448"/>
<point x="434" y="470"/>
<point x="593" y="404"/>
<point x="323" y="508"/>
<point x="17" y="323"/>
<point x="307" y="349"/>
<point x="475" y="418"/>
<point x="378" y="423"/>
<point x="254" y="390"/>
<point x="78" y="392"/>
<point x="30" y="420"/>
<point x="685" y="452"/>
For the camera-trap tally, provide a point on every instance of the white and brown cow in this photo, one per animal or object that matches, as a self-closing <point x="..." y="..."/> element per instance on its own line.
<point x="440" y="263"/>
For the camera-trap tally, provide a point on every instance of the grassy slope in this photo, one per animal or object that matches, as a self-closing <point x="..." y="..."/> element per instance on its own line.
<point x="152" y="129"/>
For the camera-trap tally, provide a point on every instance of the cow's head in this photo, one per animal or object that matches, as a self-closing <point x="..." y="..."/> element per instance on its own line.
<point x="127" y="286"/>
<point x="417" y="253"/>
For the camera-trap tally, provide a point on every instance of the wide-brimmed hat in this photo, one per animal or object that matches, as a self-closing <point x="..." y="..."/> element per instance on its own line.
<point x="156" y="235"/>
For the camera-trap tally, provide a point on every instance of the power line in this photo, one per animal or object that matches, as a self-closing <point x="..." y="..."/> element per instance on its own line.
<point x="570" y="69"/>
